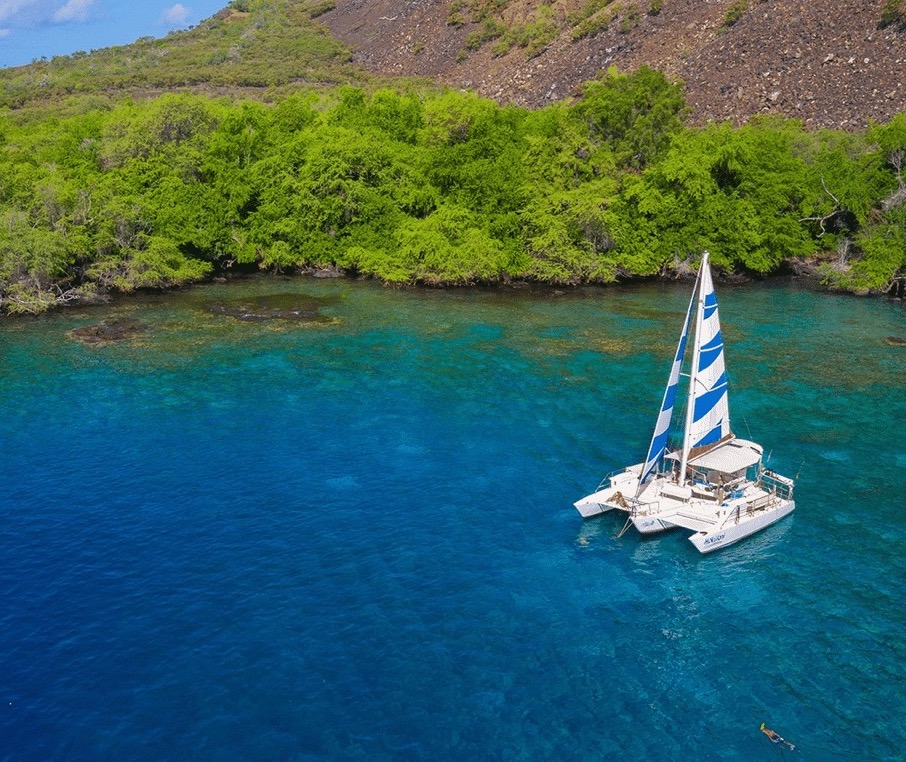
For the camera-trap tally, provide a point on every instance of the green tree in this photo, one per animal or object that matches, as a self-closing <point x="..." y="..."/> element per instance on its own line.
<point x="735" y="192"/>
<point x="635" y="113"/>
<point x="31" y="260"/>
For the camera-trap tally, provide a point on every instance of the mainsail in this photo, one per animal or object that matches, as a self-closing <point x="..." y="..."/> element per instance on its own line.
<point x="658" y="447"/>
<point x="708" y="412"/>
<point x="710" y="405"/>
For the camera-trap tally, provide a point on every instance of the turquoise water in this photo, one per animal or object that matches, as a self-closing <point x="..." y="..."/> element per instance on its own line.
<point x="354" y="538"/>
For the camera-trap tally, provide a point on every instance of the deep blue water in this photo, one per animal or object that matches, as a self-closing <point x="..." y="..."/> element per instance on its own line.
<point x="233" y="540"/>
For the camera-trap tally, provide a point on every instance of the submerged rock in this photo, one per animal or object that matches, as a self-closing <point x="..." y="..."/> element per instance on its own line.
<point x="325" y="272"/>
<point x="804" y="267"/>
<point x="274" y="307"/>
<point x="109" y="331"/>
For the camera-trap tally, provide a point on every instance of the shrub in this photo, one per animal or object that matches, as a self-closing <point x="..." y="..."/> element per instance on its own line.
<point x="600" y="22"/>
<point x="586" y="11"/>
<point x="630" y="19"/>
<point x="456" y="15"/>
<point x="893" y="12"/>
<point x="319" y="9"/>
<point x="533" y="36"/>
<point x="735" y="12"/>
<point x="490" y="30"/>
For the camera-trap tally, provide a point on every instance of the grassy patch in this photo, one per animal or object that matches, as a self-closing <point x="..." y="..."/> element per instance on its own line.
<point x="593" y="17"/>
<point x="629" y="19"/>
<point x="735" y="13"/>
<point x="533" y="36"/>
<point x="491" y="29"/>
<point x="272" y="43"/>
<point x="893" y="13"/>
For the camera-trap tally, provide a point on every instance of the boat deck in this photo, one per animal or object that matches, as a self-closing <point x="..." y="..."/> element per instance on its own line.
<point x="688" y="521"/>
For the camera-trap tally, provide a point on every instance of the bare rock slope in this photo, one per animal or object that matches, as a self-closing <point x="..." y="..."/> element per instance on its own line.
<point x="828" y="63"/>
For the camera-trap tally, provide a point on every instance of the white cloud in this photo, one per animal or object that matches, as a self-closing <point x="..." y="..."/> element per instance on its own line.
<point x="5" y="32"/>
<point x="175" y="16"/>
<point x="74" y="10"/>
<point x="12" y="8"/>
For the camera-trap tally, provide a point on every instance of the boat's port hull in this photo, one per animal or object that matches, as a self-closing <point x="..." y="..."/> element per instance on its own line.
<point x="715" y="539"/>
<point x="611" y="497"/>
<point x="594" y="505"/>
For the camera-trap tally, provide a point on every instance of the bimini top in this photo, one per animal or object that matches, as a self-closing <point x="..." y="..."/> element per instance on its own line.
<point x="728" y="458"/>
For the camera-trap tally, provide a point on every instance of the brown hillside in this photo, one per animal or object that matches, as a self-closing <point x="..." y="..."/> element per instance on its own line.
<point x="826" y="63"/>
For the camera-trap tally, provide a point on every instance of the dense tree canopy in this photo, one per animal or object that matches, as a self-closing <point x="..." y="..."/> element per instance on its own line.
<point x="435" y="188"/>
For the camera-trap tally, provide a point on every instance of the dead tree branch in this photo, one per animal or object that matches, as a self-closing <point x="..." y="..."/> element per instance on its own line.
<point x="899" y="195"/>
<point x="823" y="220"/>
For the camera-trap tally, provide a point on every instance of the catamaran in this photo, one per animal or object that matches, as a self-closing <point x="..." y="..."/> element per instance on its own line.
<point x="715" y="483"/>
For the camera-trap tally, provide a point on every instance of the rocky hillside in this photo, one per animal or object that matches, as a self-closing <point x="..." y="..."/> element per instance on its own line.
<point x="830" y="63"/>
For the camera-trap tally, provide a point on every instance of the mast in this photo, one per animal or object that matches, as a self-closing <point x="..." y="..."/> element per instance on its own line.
<point x="693" y="378"/>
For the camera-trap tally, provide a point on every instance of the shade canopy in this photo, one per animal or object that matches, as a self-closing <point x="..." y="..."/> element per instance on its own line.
<point x="727" y="458"/>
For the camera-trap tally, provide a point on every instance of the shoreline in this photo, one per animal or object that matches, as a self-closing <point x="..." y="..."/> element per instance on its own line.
<point x="810" y="280"/>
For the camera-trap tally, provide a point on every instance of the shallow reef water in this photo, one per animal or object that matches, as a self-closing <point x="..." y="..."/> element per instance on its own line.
<point x="349" y="533"/>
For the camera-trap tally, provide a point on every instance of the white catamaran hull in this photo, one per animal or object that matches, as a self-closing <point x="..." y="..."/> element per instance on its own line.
<point x="595" y="504"/>
<point x="612" y="497"/>
<point x="613" y="500"/>
<point x="715" y="485"/>
<point x="730" y="533"/>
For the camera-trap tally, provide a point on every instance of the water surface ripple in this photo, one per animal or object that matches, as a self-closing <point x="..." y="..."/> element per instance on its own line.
<point x="352" y="537"/>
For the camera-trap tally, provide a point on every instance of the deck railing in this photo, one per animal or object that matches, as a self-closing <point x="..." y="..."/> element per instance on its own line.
<point x="782" y="486"/>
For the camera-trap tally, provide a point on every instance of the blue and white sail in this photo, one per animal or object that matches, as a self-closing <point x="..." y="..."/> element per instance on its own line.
<point x="709" y="401"/>
<point x="658" y="447"/>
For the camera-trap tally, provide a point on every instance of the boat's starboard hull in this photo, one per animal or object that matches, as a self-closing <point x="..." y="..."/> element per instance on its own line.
<point x="715" y="539"/>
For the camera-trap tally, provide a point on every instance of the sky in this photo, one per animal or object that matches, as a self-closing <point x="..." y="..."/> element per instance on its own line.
<point x="32" y="29"/>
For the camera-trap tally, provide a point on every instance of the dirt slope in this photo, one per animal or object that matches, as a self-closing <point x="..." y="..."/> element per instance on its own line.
<point x="826" y="63"/>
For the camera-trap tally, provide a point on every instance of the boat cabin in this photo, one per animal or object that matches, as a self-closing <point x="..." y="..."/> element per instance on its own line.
<point x="724" y="465"/>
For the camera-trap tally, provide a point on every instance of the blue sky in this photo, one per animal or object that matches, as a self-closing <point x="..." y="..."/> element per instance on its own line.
<point x="30" y="29"/>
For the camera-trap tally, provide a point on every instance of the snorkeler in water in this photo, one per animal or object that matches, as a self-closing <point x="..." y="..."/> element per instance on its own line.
<point x="776" y="737"/>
